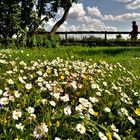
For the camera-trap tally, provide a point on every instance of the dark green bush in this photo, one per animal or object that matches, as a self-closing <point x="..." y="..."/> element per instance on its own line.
<point x="8" y="42"/>
<point x="35" y="40"/>
<point x="46" y="40"/>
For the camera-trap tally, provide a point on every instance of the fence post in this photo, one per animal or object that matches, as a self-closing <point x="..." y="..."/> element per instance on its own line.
<point x="105" y="37"/>
<point x="66" y="37"/>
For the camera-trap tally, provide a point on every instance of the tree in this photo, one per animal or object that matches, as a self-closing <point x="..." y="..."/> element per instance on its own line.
<point x="9" y="18"/>
<point x="43" y="11"/>
<point x="66" y="5"/>
<point x="52" y="9"/>
<point x="27" y="15"/>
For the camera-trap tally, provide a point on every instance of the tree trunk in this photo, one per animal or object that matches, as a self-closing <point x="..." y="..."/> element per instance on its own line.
<point x="61" y="21"/>
<point x="41" y="6"/>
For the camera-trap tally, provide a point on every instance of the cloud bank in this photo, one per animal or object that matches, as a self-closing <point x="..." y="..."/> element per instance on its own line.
<point x="91" y="18"/>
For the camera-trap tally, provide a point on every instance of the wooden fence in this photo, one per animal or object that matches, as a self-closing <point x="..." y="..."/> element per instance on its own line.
<point x="104" y="33"/>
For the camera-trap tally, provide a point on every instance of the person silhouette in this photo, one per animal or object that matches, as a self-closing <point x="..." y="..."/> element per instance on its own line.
<point x="134" y="32"/>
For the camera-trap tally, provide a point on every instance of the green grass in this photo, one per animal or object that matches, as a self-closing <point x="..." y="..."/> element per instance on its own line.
<point x="128" y="56"/>
<point x="78" y="52"/>
<point x="89" y="94"/>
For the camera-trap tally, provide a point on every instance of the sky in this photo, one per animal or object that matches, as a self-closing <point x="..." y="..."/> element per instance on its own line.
<point x="100" y="15"/>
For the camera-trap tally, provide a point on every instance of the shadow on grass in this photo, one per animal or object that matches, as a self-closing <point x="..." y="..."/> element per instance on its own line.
<point x="108" y="51"/>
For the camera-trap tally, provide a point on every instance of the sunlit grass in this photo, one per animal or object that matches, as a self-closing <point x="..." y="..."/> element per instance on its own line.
<point x="66" y="93"/>
<point x="129" y="56"/>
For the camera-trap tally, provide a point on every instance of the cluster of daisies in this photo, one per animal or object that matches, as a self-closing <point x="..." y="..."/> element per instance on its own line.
<point x="67" y="99"/>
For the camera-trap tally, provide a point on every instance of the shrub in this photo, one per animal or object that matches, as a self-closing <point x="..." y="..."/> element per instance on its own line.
<point x="45" y="40"/>
<point x="33" y="41"/>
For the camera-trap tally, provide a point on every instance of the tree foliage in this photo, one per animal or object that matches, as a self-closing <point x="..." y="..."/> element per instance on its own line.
<point x="17" y="15"/>
<point x="9" y="18"/>
<point x="27" y="17"/>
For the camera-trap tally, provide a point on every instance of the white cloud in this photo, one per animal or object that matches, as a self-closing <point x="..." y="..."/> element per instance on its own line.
<point x="124" y="0"/>
<point x="128" y="17"/>
<point x="110" y="28"/>
<point x="89" y="23"/>
<point x="76" y="11"/>
<point x="64" y="27"/>
<point x="94" y="11"/>
<point x="108" y="17"/>
<point x="86" y="23"/>
<point x="80" y="21"/>
<point x="124" y="17"/>
<point x="95" y="26"/>
<point x="134" y="5"/>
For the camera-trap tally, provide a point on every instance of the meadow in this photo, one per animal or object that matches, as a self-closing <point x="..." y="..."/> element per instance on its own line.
<point x="70" y="93"/>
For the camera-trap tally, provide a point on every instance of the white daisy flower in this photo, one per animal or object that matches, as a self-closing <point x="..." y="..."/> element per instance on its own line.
<point x="21" y="80"/>
<point x="10" y="81"/>
<point x="91" y="111"/>
<point x="102" y="136"/>
<point x="93" y="99"/>
<point x="17" y="94"/>
<point x="56" y="138"/>
<point x="107" y="109"/>
<point x="67" y="110"/>
<point x="17" y="114"/>
<point x="65" y="98"/>
<point x="19" y="126"/>
<point x="4" y="101"/>
<point x="44" y="101"/>
<point x="79" y="108"/>
<point x="28" y="86"/>
<point x="124" y="111"/>
<point x="39" y="73"/>
<point x="30" y="110"/>
<point x="116" y="136"/>
<point x="105" y="84"/>
<point x="52" y="103"/>
<point x="114" y="128"/>
<point x="81" y="128"/>
<point x="131" y="120"/>
<point x="56" y="95"/>
<point x="40" y="131"/>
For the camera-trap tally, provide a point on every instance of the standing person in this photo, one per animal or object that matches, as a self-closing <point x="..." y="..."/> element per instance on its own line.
<point x="134" y="32"/>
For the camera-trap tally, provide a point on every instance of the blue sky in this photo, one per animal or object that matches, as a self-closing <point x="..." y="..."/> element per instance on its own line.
<point x="100" y="15"/>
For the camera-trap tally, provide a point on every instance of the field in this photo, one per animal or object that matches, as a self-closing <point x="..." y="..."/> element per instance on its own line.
<point x="70" y="93"/>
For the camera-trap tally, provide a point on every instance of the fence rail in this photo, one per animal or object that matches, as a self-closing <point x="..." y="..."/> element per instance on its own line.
<point x="105" y="33"/>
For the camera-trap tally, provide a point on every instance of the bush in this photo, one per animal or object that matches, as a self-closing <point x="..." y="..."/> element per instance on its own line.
<point x="33" y="41"/>
<point x="44" y="40"/>
<point x="7" y="42"/>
